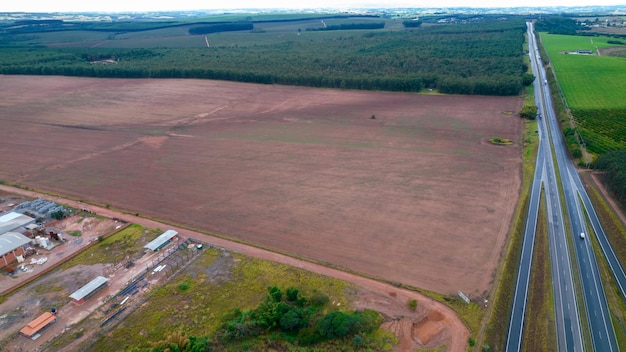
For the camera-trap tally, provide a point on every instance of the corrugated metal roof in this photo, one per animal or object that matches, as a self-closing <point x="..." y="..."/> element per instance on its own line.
<point x="13" y="220"/>
<point x="89" y="288"/>
<point x="161" y="240"/>
<point x="34" y="326"/>
<point x="12" y="240"/>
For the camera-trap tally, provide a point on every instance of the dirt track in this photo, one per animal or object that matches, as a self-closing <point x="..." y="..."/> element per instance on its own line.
<point x="450" y="328"/>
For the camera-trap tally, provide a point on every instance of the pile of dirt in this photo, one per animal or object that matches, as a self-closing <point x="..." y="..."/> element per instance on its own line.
<point x="419" y="328"/>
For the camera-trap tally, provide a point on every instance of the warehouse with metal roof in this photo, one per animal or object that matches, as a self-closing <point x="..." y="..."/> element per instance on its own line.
<point x="13" y="221"/>
<point x="161" y="241"/>
<point x="90" y="289"/>
<point x="11" y="246"/>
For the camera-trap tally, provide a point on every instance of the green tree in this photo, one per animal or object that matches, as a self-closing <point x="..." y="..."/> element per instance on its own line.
<point x="335" y="325"/>
<point x="528" y="112"/>
<point x="58" y="215"/>
<point x="528" y="79"/>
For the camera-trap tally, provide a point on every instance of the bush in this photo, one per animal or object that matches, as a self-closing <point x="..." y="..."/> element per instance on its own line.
<point x="357" y="341"/>
<point x="58" y="215"/>
<point x="528" y="79"/>
<point x="413" y="304"/>
<point x="292" y="294"/>
<point x="318" y="299"/>
<point x="528" y="112"/>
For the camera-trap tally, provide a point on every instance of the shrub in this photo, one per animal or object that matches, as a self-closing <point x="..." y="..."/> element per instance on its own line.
<point x="318" y="299"/>
<point x="58" y="215"/>
<point x="413" y="304"/>
<point x="528" y="112"/>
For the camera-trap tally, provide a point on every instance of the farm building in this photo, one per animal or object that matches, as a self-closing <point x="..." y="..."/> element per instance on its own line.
<point x="13" y="221"/>
<point x="161" y="241"/>
<point x="32" y="329"/>
<point x="11" y="246"/>
<point x="88" y="290"/>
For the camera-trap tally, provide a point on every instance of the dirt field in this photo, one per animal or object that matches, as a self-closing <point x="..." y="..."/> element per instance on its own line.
<point x="416" y="195"/>
<point x="432" y="324"/>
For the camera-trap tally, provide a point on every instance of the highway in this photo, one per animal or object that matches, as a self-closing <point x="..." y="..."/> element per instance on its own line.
<point x="596" y="306"/>
<point x="569" y="336"/>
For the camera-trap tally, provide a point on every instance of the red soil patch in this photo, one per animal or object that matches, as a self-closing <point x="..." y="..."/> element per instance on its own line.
<point x="412" y="196"/>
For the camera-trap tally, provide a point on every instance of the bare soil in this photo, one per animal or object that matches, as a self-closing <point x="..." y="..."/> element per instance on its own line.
<point x="417" y="195"/>
<point x="413" y="329"/>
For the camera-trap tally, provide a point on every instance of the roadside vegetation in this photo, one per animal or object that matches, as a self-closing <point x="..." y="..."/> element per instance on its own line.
<point x="496" y="320"/>
<point x="481" y="57"/>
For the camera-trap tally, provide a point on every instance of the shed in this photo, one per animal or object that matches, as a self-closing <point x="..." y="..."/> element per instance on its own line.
<point x="13" y="221"/>
<point x="161" y="241"/>
<point x="11" y="246"/>
<point x="88" y="290"/>
<point x="32" y="329"/>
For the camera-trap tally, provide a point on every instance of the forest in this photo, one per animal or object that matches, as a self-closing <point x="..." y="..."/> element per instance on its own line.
<point x="484" y="58"/>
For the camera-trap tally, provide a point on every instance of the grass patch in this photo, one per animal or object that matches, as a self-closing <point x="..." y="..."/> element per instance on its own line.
<point x="46" y="288"/>
<point x="213" y="285"/>
<point x="500" y="141"/>
<point x="75" y="233"/>
<point x="116" y="247"/>
<point x="540" y="324"/>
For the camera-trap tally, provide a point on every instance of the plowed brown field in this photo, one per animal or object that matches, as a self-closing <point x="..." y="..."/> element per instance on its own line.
<point x="417" y="195"/>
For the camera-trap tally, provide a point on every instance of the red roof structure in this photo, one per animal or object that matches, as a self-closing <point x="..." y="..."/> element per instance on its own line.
<point x="32" y="329"/>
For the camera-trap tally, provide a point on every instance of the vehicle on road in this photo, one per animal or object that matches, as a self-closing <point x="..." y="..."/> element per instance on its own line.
<point x="582" y="235"/>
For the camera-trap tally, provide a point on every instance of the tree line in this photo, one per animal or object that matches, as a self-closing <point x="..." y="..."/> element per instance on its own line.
<point x="222" y="27"/>
<point x="350" y="26"/>
<point x="482" y="58"/>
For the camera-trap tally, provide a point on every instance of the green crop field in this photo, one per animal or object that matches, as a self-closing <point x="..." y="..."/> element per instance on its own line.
<point x="587" y="81"/>
<point x="594" y="87"/>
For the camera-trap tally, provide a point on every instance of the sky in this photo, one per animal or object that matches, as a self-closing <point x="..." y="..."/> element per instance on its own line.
<point x="167" y="5"/>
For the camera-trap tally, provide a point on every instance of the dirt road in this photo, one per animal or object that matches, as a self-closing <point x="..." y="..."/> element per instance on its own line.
<point x="455" y="331"/>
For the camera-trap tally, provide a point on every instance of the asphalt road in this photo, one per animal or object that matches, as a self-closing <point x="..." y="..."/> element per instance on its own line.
<point x="596" y="307"/>
<point x="569" y="336"/>
<point x="566" y="309"/>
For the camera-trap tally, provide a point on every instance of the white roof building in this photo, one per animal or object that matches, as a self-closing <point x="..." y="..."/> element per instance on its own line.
<point x="89" y="289"/>
<point x="13" y="220"/>
<point x="161" y="241"/>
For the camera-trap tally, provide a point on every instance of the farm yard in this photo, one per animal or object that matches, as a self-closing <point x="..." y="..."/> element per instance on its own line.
<point x="398" y="186"/>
